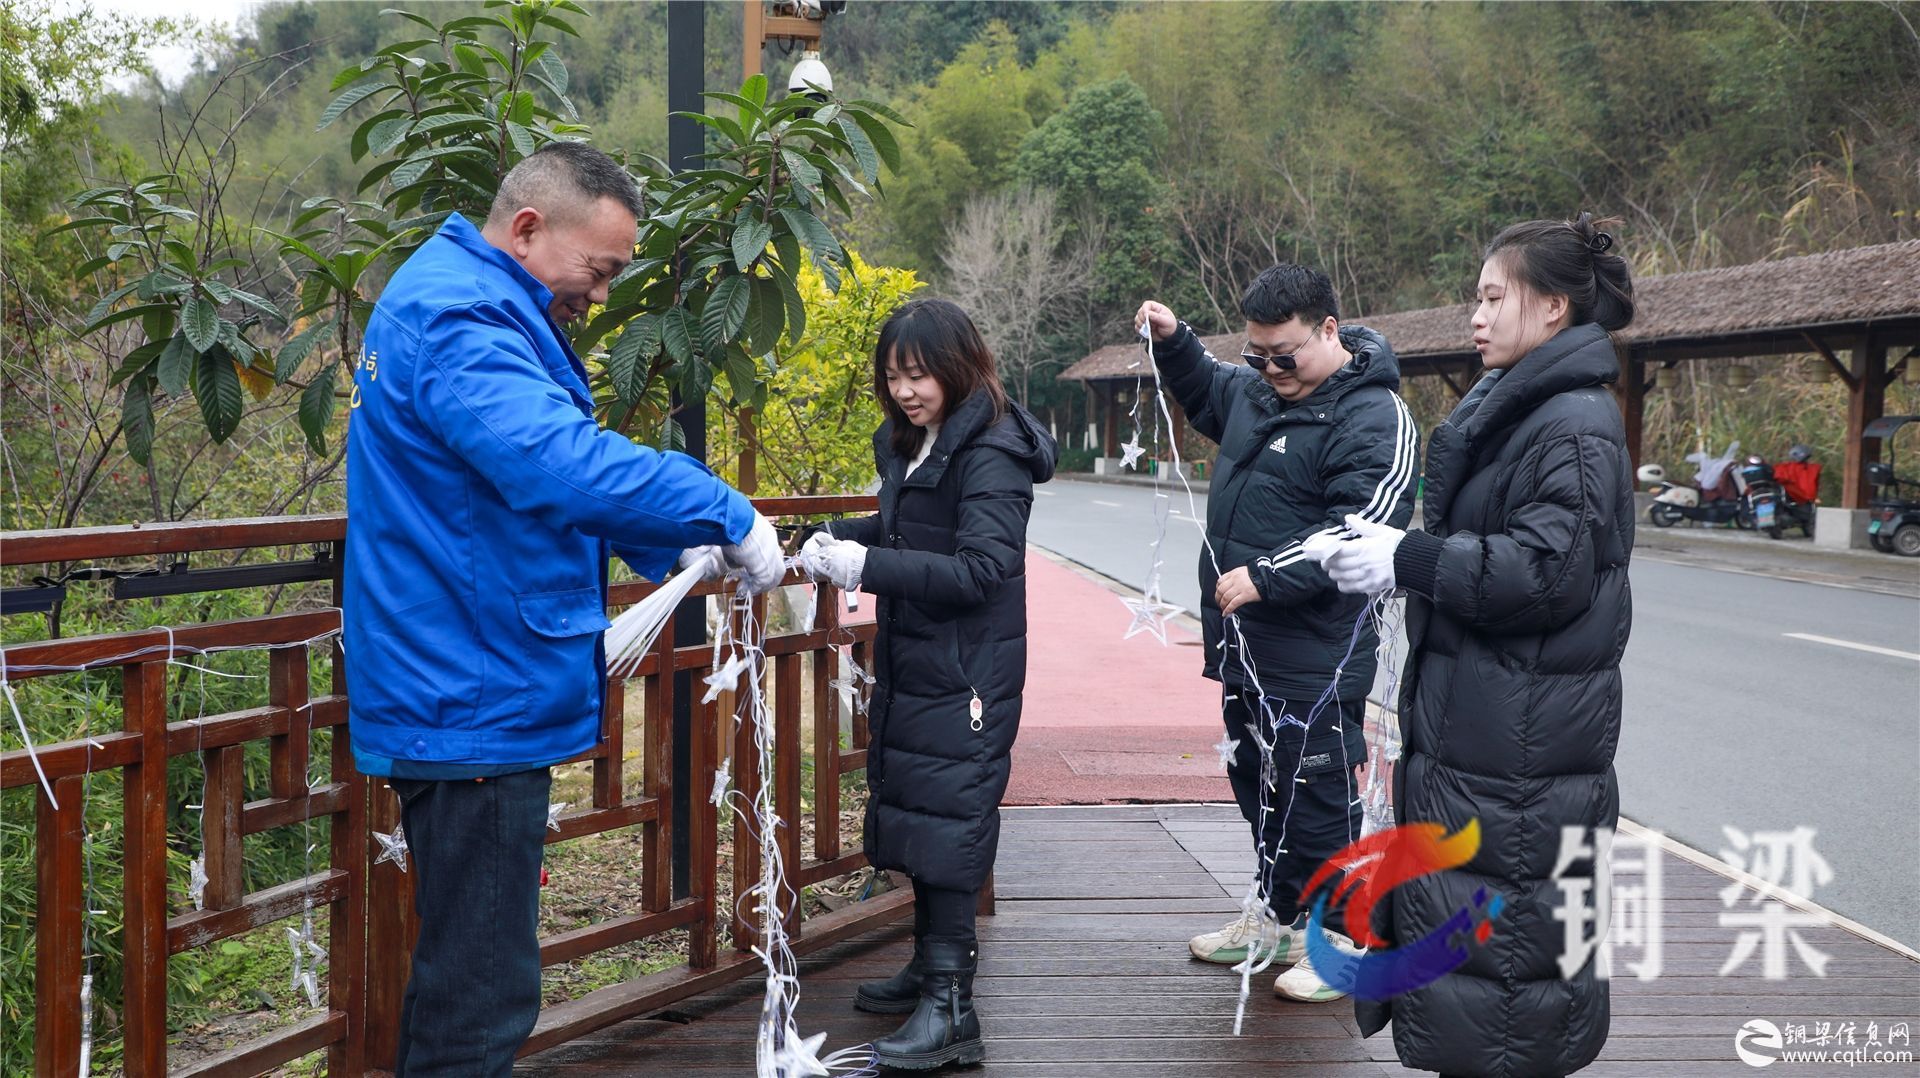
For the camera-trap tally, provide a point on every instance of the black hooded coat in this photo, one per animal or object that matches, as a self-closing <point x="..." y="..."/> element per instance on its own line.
<point x="1518" y="611"/>
<point x="947" y="557"/>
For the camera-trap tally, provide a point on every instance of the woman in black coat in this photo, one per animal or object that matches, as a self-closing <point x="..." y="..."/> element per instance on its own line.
<point x="947" y="557"/>
<point x="1518" y="611"/>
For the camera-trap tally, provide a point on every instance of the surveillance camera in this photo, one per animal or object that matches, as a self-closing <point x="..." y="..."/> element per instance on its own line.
<point x="809" y="9"/>
<point x="810" y="73"/>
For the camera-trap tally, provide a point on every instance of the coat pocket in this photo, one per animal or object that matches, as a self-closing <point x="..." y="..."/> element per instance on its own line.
<point x="554" y="662"/>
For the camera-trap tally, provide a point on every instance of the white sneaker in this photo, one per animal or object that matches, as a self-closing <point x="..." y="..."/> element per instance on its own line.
<point x="1303" y="984"/>
<point x="1228" y="946"/>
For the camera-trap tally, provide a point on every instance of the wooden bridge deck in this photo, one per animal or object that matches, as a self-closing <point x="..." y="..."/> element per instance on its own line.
<point x="1084" y="972"/>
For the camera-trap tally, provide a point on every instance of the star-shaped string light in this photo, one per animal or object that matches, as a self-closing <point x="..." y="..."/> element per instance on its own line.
<point x="721" y="781"/>
<point x="554" y="809"/>
<point x="850" y="684"/>
<point x="724" y="679"/>
<point x="197" y="882"/>
<point x="307" y="958"/>
<point x="1149" y="613"/>
<point x="393" y="847"/>
<point x="800" y="1058"/>
<point x="1227" y="747"/>
<point x="1130" y="452"/>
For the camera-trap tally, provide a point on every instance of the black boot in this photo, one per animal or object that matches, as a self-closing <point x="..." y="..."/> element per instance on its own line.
<point x="943" y="1030"/>
<point x="897" y="994"/>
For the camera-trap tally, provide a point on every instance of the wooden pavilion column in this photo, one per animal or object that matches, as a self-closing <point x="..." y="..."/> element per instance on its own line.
<point x="1110" y="421"/>
<point x="1632" y="394"/>
<point x="1866" y="401"/>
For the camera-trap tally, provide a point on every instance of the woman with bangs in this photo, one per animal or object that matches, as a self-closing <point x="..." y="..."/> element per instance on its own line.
<point x="1518" y="612"/>
<point x="946" y="556"/>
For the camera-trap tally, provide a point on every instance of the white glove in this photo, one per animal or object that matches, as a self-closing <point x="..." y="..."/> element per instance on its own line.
<point x="704" y="560"/>
<point x="1363" y="565"/>
<point x="758" y="557"/>
<point x="840" y="561"/>
<point x="1320" y="545"/>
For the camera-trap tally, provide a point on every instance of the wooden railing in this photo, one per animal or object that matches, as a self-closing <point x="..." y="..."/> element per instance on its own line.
<point x="369" y="905"/>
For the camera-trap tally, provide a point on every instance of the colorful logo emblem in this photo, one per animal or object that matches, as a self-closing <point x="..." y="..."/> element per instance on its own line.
<point x="1374" y="866"/>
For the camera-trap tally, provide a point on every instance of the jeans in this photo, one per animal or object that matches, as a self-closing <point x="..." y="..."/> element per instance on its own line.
<point x="1315" y="809"/>
<point x="474" y="991"/>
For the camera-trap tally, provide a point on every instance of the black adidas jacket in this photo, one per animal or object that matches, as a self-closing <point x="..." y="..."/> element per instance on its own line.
<point x="1286" y="471"/>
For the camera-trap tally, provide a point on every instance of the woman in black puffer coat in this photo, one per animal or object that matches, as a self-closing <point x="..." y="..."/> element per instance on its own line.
<point x="1518" y="611"/>
<point x="947" y="557"/>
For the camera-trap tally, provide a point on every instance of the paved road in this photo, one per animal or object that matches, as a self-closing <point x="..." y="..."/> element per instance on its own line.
<point x="1730" y="720"/>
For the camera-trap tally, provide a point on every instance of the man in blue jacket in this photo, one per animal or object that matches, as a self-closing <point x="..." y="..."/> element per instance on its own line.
<point x="483" y="503"/>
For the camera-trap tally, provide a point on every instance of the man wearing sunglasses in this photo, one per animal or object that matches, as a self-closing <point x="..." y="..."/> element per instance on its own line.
<point x="1310" y="430"/>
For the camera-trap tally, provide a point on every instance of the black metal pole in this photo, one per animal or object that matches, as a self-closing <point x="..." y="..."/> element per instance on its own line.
<point x="686" y="81"/>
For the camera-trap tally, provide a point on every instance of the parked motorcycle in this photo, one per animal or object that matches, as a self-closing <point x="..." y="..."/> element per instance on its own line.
<point x="1774" y="508"/>
<point x="1674" y="502"/>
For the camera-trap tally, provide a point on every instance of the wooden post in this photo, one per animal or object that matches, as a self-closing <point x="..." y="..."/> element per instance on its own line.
<point x="1633" y="400"/>
<point x="391" y="929"/>
<point x="1110" y="428"/>
<point x="145" y="862"/>
<point x="1866" y="400"/>
<point x="59" y="914"/>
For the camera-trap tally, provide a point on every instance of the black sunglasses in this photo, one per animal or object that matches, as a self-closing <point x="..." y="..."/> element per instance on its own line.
<point x="1286" y="363"/>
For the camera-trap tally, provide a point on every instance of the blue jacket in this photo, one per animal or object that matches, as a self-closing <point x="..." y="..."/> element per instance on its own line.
<point x="483" y="502"/>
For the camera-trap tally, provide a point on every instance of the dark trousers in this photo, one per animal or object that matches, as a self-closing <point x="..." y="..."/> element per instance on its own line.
<point x="474" y="990"/>
<point x="943" y="912"/>
<point x="1315" y="809"/>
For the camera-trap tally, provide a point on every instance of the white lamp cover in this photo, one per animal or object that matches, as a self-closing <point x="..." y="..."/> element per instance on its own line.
<point x="809" y="71"/>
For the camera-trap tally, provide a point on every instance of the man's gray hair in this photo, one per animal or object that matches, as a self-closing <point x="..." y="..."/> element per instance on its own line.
<point x="562" y="180"/>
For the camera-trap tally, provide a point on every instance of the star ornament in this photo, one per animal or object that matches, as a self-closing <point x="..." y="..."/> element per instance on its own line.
<point x="799" y="1058"/>
<point x="1131" y="452"/>
<point x="1226" y="747"/>
<point x="1149" y="616"/>
<point x="393" y="848"/>
<point x="554" y="809"/>
<point x="724" y="679"/>
<point x="197" y="882"/>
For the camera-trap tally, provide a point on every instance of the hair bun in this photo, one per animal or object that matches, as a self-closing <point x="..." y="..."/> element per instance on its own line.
<point x="1599" y="243"/>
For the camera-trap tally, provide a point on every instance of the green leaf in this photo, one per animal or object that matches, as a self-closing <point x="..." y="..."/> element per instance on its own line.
<point x="726" y="310"/>
<point x="553" y="71"/>
<point x="81" y="222"/>
<point x="675" y="335"/>
<point x="470" y="60"/>
<point x="522" y="139"/>
<point x="107" y="301"/>
<point x="136" y="419"/>
<point x="804" y="173"/>
<point x="881" y="111"/>
<point x="863" y="149"/>
<point x="201" y="323"/>
<point x="750" y="239"/>
<point x="176" y="365"/>
<point x="626" y="361"/>
<point x="317" y="403"/>
<point x="519" y="107"/>
<point x="766" y="317"/>
<point x="295" y="351"/>
<point x="881" y="137"/>
<point x="796" y="306"/>
<point x="346" y="101"/>
<point x="387" y="134"/>
<point x="755" y="89"/>
<point x="216" y="384"/>
<point x="812" y="232"/>
<point x="137" y="361"/>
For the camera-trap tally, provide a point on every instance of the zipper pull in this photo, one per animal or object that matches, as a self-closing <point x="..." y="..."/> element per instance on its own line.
<point x="975" y="709"/>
